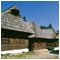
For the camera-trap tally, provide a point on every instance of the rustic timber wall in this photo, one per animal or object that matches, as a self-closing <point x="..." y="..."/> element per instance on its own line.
<point x="5" y="45"/>
<point x="57" y="44"/>
<point x="39" y="45"/>
<point x="35" y="44"/>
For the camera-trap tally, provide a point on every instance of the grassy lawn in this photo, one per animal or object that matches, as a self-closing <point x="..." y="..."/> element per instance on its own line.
<point x="16" y="55"/>
<point x="27" y="55"/>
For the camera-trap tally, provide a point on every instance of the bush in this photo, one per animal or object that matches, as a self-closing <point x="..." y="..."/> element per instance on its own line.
<point x="2" y="54"/>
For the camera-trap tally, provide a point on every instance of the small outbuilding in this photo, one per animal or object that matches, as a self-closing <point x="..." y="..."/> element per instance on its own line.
<point x="42" y="38"/>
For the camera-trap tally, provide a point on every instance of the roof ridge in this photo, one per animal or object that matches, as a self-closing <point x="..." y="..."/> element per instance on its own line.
<point x="8" y="9"/>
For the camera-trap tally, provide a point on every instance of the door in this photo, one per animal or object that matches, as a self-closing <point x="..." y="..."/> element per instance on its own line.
<point x="36" y="46"/>
<point x="39" y="45"/>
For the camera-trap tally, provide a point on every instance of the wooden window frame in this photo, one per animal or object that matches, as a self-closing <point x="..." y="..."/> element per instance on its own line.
<point x="17" y="41"/>
<point x="11" y="41"/>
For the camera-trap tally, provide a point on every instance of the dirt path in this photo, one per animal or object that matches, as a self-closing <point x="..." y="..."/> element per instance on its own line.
<point x="40" y="55"/>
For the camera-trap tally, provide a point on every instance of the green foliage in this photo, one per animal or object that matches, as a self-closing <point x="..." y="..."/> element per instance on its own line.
<point x="27" y="55"/>
<point x="46" y="27"/>
<point x="7" y="54"/>
<point x="24" y="18"/>
<point x="43" y="27"/>
<point x="2" y="54"/>
<point x="49" y="26"/>
<point x="30" y="53"/>
<point x="16" y="56"/>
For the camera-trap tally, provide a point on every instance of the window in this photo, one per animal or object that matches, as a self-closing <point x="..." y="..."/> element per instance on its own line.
<point x="13" y="40"/>
<point x="15" y="12"/>
<point x="21" y="41"/>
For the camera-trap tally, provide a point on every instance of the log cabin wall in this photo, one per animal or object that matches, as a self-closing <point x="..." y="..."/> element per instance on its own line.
<point x="57" y="44"/>
<point x="36" y="44"/>
<point x="39" y="45"/>
<point x="10" y="44"/>
<point x="50" y="45"/>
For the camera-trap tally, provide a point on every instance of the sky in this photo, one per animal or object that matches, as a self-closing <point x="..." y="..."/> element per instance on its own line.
<point x="41" y="12"/>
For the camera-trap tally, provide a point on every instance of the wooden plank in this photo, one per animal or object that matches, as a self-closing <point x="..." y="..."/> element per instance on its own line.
<point x="39" y="45"/>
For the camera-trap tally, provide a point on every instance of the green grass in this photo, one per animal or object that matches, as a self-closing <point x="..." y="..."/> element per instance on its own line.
<point x="17" y="56"/>
<point x="23" y="55"/>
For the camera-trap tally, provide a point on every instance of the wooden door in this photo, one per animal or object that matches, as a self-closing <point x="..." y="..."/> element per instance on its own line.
<point x="39" y="45"/>
<point x="36" y="46"/>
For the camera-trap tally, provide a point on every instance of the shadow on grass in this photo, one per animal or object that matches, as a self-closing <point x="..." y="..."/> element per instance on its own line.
<point x="55" y="52"/>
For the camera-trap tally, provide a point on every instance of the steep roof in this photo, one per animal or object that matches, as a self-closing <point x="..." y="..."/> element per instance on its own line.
<point x="50" y="33"/>
<point x="11" y="22"/>
<point x="40" y="33"/>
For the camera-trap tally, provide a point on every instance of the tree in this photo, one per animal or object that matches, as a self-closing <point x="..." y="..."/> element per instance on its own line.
<point x="43" y="27"/>
<point x="50" y="26"/>
<point x="46" y="27"/>
<point x="24" y="18"/>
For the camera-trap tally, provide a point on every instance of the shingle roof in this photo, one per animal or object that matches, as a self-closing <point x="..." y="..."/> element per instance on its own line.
<point x="50" y="33"/>
<point x="11" y="22"/>
<point x="40" y="33"/>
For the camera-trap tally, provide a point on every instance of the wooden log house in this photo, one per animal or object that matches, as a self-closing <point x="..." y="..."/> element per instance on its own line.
<point x="17" y="34"/>
<point x="42" y="38"/>
<point x="14" y="31"/>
